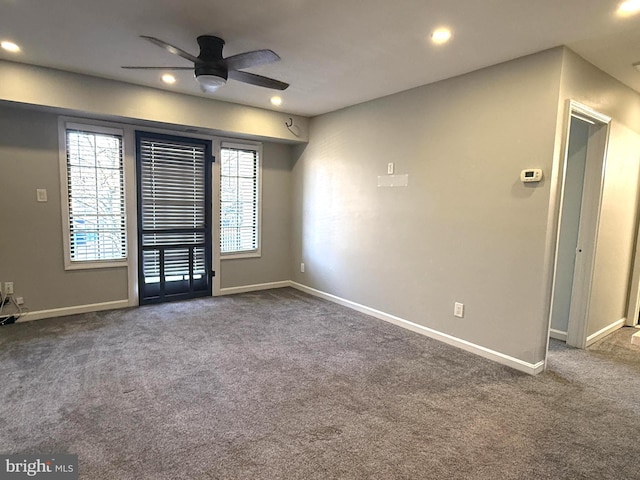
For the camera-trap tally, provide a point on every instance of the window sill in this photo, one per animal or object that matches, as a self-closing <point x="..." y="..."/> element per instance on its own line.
<point x="95" y="264"/>
<point x="235" y="256"/>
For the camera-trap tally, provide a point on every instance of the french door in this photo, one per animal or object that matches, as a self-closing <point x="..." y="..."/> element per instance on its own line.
<point x="174" y="217"/>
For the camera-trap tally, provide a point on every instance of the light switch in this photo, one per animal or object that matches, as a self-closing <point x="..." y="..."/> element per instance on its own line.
<point x="41" y="194"/>
<point x="390" y="168"/>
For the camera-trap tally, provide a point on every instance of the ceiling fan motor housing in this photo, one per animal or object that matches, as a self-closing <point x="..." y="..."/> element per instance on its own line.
<point x="211" y="57"/>
<point x="214" y="70"/>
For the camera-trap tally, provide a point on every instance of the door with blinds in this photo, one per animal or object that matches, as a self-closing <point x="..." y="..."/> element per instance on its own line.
<point x="174" y="217"/>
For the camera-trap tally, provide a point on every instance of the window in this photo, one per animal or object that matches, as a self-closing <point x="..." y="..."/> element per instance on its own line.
<point x="239" y="199"/>
<point x="93" y="197"/>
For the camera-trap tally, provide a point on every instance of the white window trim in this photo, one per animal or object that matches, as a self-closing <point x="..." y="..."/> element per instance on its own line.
<point x="97" y="127"/>
<point x="246" y="145"/>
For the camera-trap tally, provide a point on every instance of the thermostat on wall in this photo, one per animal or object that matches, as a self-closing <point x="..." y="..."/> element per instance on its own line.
<point x="531" y="175"/>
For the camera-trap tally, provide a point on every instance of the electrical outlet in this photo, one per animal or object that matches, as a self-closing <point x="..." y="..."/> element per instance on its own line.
<point x="20" y="301"/>
<point x="8" y="288"/>
<point x="458" y="309"/>
<point x="302" y="268"/>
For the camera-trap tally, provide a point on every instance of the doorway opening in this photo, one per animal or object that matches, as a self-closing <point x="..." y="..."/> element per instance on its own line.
<point x="581" y="198"/>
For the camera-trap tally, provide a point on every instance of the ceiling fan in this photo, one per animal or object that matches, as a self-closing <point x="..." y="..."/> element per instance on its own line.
<point x="212" y="70"/>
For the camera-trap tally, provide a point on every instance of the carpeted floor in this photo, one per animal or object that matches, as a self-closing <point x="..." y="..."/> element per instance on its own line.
<point x="281" y="385"/>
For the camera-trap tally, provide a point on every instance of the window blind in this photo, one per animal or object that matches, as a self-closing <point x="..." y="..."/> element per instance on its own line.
<point x="95" y="182"/>
<point x="173" y="208"/>
<point x="239" y="172"/>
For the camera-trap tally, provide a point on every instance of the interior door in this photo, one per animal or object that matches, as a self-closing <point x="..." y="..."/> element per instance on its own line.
<point x="174" y="217"/>
<point x="585" y="252"/>
<point x="567" y="245"/>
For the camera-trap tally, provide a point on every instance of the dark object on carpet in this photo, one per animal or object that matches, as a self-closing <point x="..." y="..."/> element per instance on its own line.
<point x="8" y="320"/>
<point x="281" y="385"/>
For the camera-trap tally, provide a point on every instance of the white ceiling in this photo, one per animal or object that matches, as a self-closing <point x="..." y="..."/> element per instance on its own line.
<point x="335" y="53"/>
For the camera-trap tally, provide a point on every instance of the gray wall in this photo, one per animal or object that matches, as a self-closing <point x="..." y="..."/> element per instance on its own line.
<point x="616" y="232"/>
<point x="585" y="83"/>
<point x="31" y="252"/>
<point x="274" y="264"/>
<point x="465" y="229"/>
<point x="85" y="95"/>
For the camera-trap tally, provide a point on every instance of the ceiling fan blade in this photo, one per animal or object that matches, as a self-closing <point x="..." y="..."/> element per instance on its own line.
<point x="171" y="49"/>
<point x="251" y="59"/>
<point x="159" y="68"/>
<point x="258" y="80"/>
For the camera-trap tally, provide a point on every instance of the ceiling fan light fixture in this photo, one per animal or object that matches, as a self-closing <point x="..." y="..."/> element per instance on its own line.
<point x="210" y="83"/>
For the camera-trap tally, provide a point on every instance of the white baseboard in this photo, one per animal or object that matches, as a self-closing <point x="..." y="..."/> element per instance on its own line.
<point x="605" y="331"/>
<point x="558" y="334"/>
<point x="254" y="288"/>
<point x="96" y="307"/>
<point x="61" y="312"/>
<point x="516" y="363"/>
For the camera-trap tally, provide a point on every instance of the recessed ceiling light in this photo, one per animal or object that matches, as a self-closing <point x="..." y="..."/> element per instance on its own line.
<point x="9" y="46"/>
<point x="168" y="79"/>
<point x="629" y="7"/>
<point x="441" y="35"/>
<point x="276" y="101"/>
